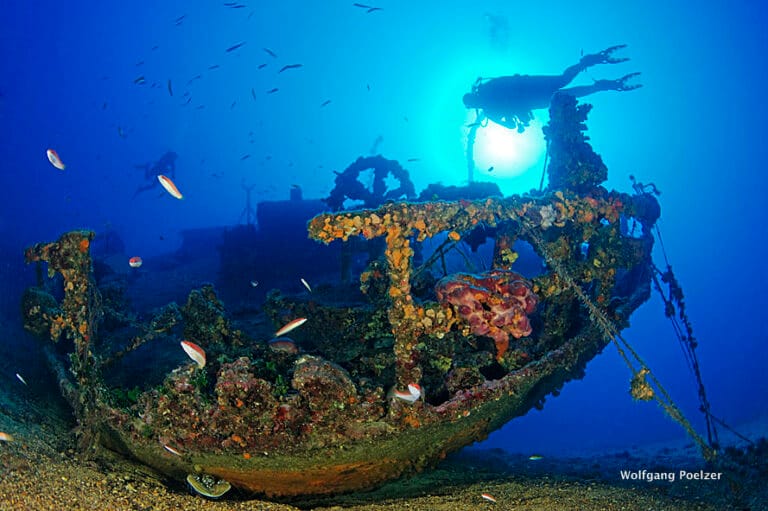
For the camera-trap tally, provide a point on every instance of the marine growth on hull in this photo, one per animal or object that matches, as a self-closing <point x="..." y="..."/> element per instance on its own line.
<point x="345" y="386"/>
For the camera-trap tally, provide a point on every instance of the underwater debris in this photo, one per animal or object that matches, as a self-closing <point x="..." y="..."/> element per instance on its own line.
<point x="77" y="318"/>
<point x="208" y="486"/>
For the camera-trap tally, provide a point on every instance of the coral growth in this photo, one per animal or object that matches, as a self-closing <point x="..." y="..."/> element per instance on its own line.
<point x="573" y="164"/>
<point x="496" y="304"/>
<point x="204" y="320"/>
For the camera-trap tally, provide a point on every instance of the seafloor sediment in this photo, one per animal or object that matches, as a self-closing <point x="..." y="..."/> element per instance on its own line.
<point x="40" y="470"/>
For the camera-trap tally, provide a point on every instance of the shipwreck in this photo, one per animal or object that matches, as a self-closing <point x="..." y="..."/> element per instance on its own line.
<point x="333" y="408"/>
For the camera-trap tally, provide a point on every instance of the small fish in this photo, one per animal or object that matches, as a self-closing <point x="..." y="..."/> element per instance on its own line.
<point x="21" y="378"/>
<point x="535" y="457"/>
<point x="196" y="77"/>
<point x="412" y="395"/>
<point x="253" y="94"/>
<point x="290" y="66"/>
<point x="374" y="9"/>
<point x="490" y="169"/>
<point x="272" y="91"/>
<point x="215" y="66"/>
<point x="236" y="46"/>
<point x="262" y="66"/>
<point x="171" y="450"/>
<point x="53" y="157"/>
<point x="155" y="47"/>
<point x="291" y="325"/>
<point x="245" y="157"/>
<point x="414" y="159"/>
<point x="104" y="105"/>
<point x="488" y="497"/>
<point x="194" y="352"/>
<point x="170" y="87"/>
<point x="139" y="63"/>
<point x="5" y="437"/>
<point x="169" y="186"/>
<point x="180" y="19"/>
<point x="140" y="80"/>
<point x="254" y="283"/>
<point x="120" y="132"/>
<point x="135" y="262"/>
<point x="306" y="284"/>
<point x="233" y="105"/>
<point x="362" y="6"/>
<point x="325" y="103"/>
<point x="270" y="53"/>
<point x="283" y="345"/>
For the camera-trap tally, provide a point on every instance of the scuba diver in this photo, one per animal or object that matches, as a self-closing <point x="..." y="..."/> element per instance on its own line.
<point x="166" y="165"/>
<point x="509" y="100"/>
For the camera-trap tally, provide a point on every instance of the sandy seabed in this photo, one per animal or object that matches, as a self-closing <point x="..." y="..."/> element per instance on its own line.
<point x="40" y="470"/>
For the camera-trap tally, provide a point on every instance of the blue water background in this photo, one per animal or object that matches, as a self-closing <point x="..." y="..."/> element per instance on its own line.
<point x="697" y="129"/>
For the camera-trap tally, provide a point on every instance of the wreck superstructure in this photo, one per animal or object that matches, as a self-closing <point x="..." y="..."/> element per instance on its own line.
<point x="324" y="416"/>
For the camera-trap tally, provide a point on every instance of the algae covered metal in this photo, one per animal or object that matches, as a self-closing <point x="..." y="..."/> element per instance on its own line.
<point x="328" y="410"/>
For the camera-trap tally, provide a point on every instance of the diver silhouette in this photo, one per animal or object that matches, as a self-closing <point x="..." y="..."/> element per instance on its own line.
<point x="166" y="165"/>
<point x="509" y="100"/>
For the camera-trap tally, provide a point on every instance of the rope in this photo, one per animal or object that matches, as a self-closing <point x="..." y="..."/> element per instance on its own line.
<point x="661" y="244"/>
<point x="683" y="332"/>
<point x="686" y="339"/>
<point x="610" y="333"/>
<point x="729" y="428"/>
